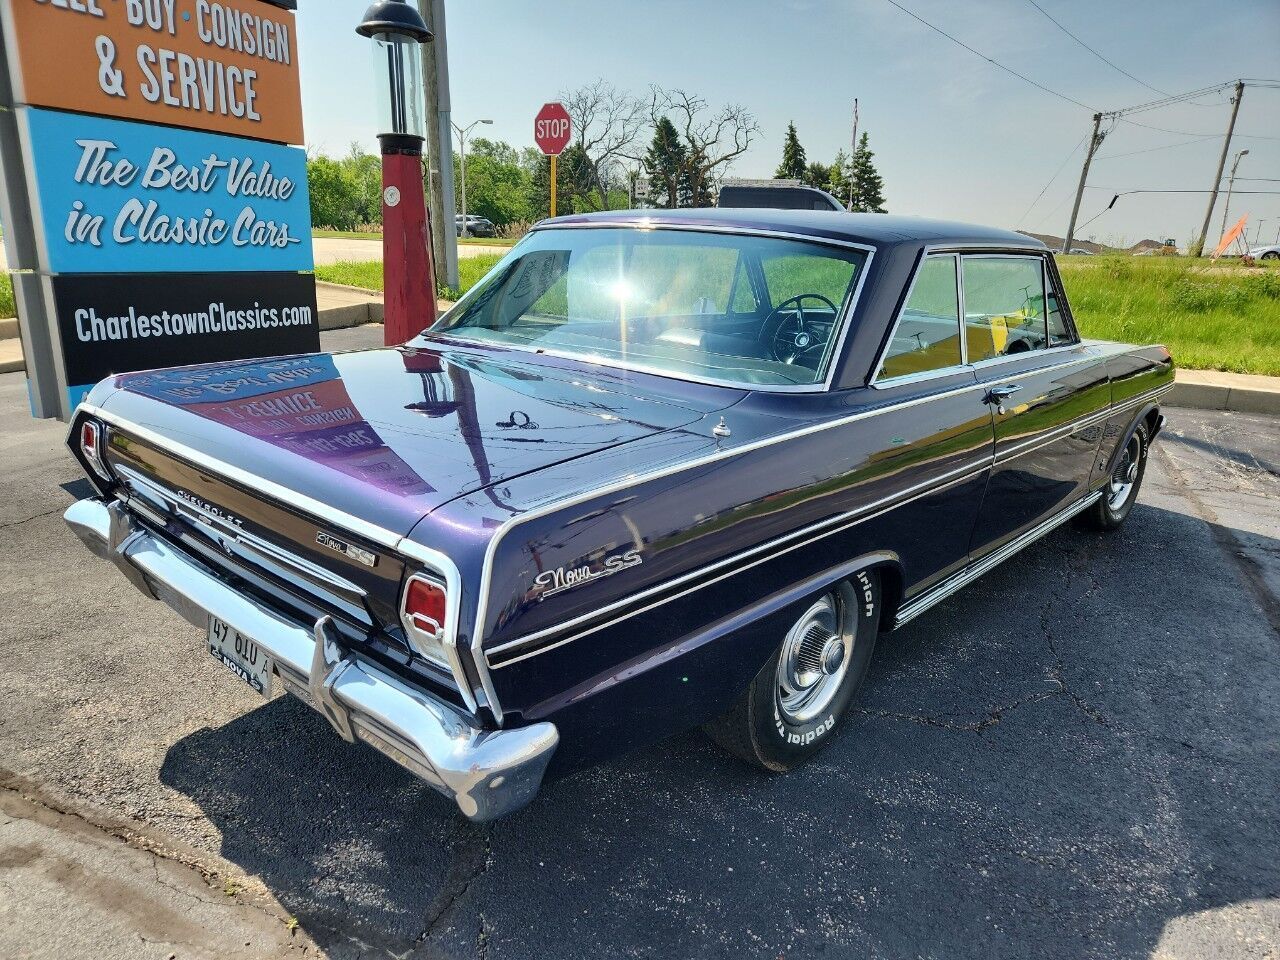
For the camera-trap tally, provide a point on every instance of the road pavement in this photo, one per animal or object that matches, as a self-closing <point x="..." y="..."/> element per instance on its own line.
<point x="334" y="249"/>
<point x="1076" y="756"/>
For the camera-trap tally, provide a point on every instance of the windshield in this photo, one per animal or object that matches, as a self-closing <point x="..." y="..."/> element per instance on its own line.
<point x="723" y="307"/>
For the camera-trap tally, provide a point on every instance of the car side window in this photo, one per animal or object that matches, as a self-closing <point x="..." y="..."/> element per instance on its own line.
<point x="927" y="336"/>
<point x="1004" y="306"/>
<point x="1060" y="334"/>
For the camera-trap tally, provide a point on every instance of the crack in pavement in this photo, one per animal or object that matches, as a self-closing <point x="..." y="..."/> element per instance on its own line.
<point x="456" y="888"/>
<point x="994" y="714"/>
<point x="16" y="523"/>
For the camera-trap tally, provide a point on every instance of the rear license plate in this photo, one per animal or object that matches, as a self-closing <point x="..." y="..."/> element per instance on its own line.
<point x="240" y="655"/>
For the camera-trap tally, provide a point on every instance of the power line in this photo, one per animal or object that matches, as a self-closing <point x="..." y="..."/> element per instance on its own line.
<point x="1095" y="52"/>
<point x="1167" y="146"/>
<point x="994" y="63"/>
<point x="1051" y="179"/>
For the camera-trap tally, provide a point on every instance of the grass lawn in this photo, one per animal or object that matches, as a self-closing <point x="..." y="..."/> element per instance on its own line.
<point x="1210" y="318"/>
<point x="368" y="274"/>
<point x="354" y="235"/>
<point x="7" y="308"/>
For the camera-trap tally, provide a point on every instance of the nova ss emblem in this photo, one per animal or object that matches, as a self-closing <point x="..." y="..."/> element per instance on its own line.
<point x="560" y="579"/>
<point x="349" y="550"/>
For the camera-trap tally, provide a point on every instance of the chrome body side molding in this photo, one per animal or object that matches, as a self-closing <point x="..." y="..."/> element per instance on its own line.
<point x="909" y="611"/>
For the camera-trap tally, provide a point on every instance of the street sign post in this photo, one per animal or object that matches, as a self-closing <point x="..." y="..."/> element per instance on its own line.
<point x="551" y="131"/>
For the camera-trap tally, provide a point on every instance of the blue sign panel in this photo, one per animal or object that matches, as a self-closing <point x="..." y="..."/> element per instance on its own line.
<point x="124" y="197"/>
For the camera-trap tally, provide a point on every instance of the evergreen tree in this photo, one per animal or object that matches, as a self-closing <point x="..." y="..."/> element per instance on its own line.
<point x="793" y="160"/>
<point x="666" y="167"/>
<point x="818" y="175"/>
<point x="838" y="178"/>
<point x="868" y="186"/>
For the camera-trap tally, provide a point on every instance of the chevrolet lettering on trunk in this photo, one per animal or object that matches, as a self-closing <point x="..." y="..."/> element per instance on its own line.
<point x="696" y="458"/>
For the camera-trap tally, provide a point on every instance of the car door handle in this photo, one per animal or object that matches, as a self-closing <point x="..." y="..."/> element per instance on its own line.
<point x="998" y="395"/>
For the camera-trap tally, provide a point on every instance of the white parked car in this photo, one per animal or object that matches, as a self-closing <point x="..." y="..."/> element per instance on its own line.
<point x="1271" y="252"/>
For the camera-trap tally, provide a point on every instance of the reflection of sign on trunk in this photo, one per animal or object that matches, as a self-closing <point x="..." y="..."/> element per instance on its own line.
<point x="126" y="197"/>
<point x="224" y="65"/>
<point x="111" y="324"/>
<point x="296" y="403"/>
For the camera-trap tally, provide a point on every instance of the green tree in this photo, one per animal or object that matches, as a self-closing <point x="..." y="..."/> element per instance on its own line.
<point x="793" y="160"/>
<point x="817" y="175"/>
<point x="499" y="187"/>
<point x="838" y="178"/>
<point x="346" y="194"/>
<point x="574" y="184"/>
<point x="868" y="186"/>
<point x="666" y="167"/>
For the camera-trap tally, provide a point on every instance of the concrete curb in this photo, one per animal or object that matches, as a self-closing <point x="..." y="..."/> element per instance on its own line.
<point x="1212" y="390"/>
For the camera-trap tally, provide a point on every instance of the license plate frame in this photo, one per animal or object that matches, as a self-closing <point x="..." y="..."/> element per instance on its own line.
<point x="240" y="654"/>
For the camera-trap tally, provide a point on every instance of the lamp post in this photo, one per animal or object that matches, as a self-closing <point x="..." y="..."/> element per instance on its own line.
<point x="462" y="165"/>
<point x="1257" y="229"/>
<point x="1231" y="182"/>
<point x="396" y="28"/>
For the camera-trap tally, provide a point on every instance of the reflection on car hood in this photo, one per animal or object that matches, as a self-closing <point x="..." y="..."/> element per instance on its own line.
<point x="390" y="435"/>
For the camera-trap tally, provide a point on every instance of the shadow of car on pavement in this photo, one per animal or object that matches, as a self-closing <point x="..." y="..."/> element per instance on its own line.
<point x="1043" y="765"/>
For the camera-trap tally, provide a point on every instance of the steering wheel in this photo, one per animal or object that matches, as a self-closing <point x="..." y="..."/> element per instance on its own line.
<point x="791" y="338"/>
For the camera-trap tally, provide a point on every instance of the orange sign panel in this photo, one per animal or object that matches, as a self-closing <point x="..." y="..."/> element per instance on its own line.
<point x="229" y="66"/>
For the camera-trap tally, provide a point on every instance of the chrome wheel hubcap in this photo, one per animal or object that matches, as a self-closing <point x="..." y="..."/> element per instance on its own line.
<point x="814" y="660"/>
<point x="1126" y="474"/>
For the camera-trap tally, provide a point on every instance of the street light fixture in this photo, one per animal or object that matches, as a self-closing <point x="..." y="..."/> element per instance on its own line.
<point x="1230" y="183"/>
<point x="396" y="29"/>
<point x="462" y="166"/>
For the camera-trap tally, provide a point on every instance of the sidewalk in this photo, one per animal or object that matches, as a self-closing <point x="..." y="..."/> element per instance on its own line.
<point x="121" y="894"/>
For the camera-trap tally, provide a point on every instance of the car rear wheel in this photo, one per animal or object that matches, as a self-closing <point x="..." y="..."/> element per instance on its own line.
<point x="1271" y="255"/>
<point x="801" y="695"/>
<point x="1122" y="487"/>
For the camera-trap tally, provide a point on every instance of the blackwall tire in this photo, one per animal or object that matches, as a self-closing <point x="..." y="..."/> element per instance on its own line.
<point x="802" y="694"/>
<point x="1121" y="491"/>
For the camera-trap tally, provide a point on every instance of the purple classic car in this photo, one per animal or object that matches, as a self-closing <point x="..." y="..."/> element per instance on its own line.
<point x="657" y="469"/>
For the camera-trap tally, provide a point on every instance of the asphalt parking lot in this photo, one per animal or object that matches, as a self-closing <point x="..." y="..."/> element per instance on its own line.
<point x="1077" y="756"/>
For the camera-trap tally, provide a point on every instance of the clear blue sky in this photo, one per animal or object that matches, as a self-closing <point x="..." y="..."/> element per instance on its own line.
<point x="953" y="136"/>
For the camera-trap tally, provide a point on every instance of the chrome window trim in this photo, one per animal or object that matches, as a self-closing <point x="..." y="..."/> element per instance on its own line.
<point x="844" y="318"/>
<point x="897" y="322"/>
<point x="292" y="499"/>
<point x="961" y="252"/>
<point x="837" y="523"/>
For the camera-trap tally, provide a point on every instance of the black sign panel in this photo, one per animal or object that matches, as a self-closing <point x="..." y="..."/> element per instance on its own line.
<point x="115" y="324"/>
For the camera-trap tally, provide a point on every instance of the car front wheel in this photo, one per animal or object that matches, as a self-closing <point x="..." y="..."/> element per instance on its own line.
<point x="1121" y="491"/>
<point x="1271" y="255"/>
<point x="803" y="692"/>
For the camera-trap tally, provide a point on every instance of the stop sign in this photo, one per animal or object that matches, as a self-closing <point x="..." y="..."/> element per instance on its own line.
<point x="551" y="128"/>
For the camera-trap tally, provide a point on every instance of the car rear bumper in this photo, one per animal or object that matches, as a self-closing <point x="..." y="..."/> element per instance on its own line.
<point x="487" y="772"/>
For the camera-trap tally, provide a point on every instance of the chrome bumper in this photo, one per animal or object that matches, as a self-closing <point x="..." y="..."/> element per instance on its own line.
<point x="487" y="772"/>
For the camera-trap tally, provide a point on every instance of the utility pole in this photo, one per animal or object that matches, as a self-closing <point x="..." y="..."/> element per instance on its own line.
<point x="1222" y="162"/>
<point x="852" y="151"/>
<point x="440" y="199"/>
<point x="462" y="168"/>
<point x="1095" y="141"/>
<point x="1231" y="183"/>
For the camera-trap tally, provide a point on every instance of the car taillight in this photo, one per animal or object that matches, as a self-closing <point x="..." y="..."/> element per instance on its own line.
<point x="425" y="603"/>
<point x="423" y="614"/>
<point x="91" y="447"/>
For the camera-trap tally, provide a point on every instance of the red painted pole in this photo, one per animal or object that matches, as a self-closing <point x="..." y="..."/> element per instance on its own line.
<point x="408" y="275"/>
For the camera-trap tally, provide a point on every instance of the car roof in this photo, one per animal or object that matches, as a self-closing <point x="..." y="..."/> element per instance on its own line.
<point x="876" y="229"/>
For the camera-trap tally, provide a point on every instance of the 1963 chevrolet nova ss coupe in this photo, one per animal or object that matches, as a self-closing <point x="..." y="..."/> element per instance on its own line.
<point x="655" y="470"/>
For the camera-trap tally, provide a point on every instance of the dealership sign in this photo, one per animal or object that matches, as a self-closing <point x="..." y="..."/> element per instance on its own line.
<point x="106" y="323"/>
<point x="152" y="189"/>
<point x="116" y="196"/>
<point x="223" y="65"/>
